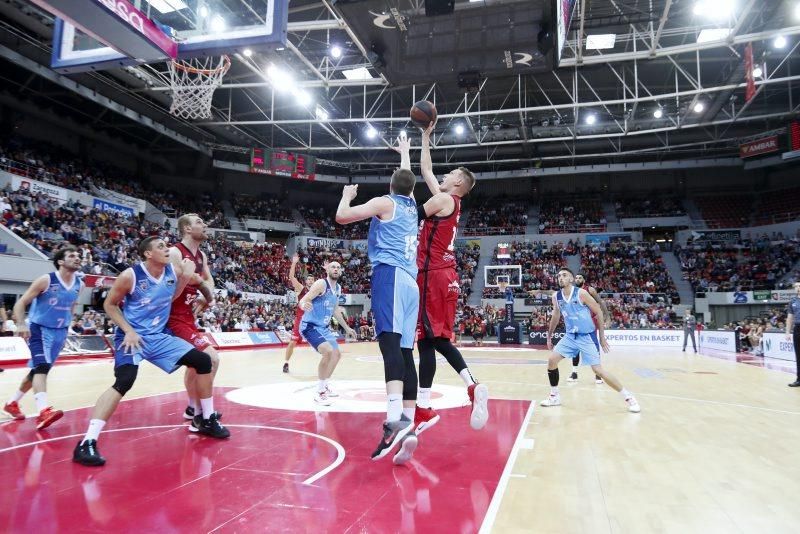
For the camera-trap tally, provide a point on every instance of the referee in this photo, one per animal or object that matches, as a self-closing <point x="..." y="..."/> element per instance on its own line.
<point x="689" y="326"/>
<point x="793" y="330"/>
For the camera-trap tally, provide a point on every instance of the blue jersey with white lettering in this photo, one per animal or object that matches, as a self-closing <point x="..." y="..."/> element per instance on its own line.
<point x="323" y="307"/>
<point x="577" y="315"/>
<point x="53" y="307"/>
<point x="148" y="305"/>
<point x="394" y="241"/>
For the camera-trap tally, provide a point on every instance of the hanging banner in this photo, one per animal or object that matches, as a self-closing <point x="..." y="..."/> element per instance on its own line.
<point x="750" y="89"/>
<point x="759" y="147"/>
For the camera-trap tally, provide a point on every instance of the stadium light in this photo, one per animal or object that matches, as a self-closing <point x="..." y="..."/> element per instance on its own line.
<point x="591" y="119"/>
<point x="403" y="133"/>
<point x="218" y="24"/>
<point x="779" y="42"/>
<point x="303" y="98"/>
<point x="372" y="133"/>
<point x="203" y="11"/>
<point x="757" y="72"/>
<point x="714" y="9"/>
<point x="321" y="114"/>
<point x="336" y="51"/>
<point x="247" y="52"/>
<point x="797" y="11"/>
<point x="459" y="129"/>
<point x="699" y="107"/>
<point x="658" y="113"/>
<point x="280" y="79"/>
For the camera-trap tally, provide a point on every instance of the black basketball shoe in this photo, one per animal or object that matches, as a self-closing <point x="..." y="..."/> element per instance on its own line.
<point x="393" y="432"/>
<point x="209" y="427"/>
<point x="86" y="453"/>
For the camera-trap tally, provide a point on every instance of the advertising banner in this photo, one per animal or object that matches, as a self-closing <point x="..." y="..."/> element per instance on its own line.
<point x="264" y="338"/>
<point x="325" y="242"/>
<point x="740" y="297"/>
<point x="777" y="346"/>
<point x="645" y="338"/>
<point x="13" y="348"/>
<point x="104" y="205"/>
<point x="231" y="339"/>
<point x="717" y="340"/>
<point x="93" y="280"/>
<point x="34" y="186"/>
<point x="759" y="147"/>
<point x="699" y="236"/>
<point x="538" y="336"/>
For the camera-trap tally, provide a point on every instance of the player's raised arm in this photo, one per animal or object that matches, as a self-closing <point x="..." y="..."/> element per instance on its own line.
<point x="426" y="163"/>
<point x="440" y="204"/>
<point x="381" y="207"/>
<point x="296" y="284"/>
<point x="404" y="149"/>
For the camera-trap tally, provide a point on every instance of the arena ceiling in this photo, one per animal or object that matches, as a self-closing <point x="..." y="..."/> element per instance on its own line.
<point x="598" y="106"/>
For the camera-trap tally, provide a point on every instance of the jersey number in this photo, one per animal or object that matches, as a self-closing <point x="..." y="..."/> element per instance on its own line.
<point x="451" y="246"/>
<point x="411" y="247"/>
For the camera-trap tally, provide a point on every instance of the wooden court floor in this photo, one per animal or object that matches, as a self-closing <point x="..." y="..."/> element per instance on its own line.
<point x="716" y="447"/>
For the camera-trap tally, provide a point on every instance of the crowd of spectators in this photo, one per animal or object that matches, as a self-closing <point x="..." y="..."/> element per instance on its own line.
<point x="655" y="205"/>
<point x="496" y="216"/>
<point x="627" y="311"/>
<point x="263" y="208"/>
<point x="743" y="265"/>
<point x="571" y="216"/>
<point x="627" y="267"/>
<point x="467" y="257"/>
<point x="322" y="223"/>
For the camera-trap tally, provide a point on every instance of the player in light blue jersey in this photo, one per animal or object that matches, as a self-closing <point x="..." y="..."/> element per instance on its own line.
<point x="392" y="249"/>
<point x="52" y="298"/>
<point x="578" y="306"/>
<point x="147" y="291"/>
<point x="320" y="304"/>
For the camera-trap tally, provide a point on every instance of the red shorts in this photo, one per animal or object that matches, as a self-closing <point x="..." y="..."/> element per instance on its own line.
<point x="296" y="337"/>
<point x="438" y="298"/>
<point x="190" y="333"/>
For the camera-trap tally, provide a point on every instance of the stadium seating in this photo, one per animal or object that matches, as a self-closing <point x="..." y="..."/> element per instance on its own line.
<point x="778" y="206"/>
<point x="322" y="223"/>
<point x="496" y="216"/>
<point x="539" y="262"/>
<point x="725" y="211"/>
<point x="654" y="205"/>
<point x="558" y="216"/>
<point x="266" y="208"/>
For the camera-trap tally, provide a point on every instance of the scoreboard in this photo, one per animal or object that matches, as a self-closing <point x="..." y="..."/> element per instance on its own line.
<point x="265" y="160"/>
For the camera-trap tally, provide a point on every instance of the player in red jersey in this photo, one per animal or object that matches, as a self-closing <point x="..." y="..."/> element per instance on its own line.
<point x="198" y="294"/>
<point x="439" y="289"/>
<point x="580" y="282"/>
<point x="301" y="291"/>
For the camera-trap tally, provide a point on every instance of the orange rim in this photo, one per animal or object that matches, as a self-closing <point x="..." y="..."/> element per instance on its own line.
<point x="226" y="64"/>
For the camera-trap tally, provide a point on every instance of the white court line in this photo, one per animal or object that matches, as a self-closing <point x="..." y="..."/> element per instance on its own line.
<point x="657" y="395"/>
<point x="340" y="454"/>
<point x="499" y="492"/>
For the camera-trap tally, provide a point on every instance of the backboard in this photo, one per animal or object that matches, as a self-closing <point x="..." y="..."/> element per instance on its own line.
<point x="102" y="34"/>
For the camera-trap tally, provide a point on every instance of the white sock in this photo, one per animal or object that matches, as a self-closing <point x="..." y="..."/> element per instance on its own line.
<point x="424" y="398"/>
<point x="554" y="391"/>
<point x="95" y="427"/>
<point x="409" y="412"/>
<point x="207" y="406"/>
<point x="16" y="396"/>
<point x="193" y="404"/>
<point x="320" y="386"/>
<point x="466" y="376"/>
<point x="326" y="381"/>
<point x="625" y="394"/>
<point x="41" y="400"/>
<point x="574" y="368"/>
<point x="394" y="406"/>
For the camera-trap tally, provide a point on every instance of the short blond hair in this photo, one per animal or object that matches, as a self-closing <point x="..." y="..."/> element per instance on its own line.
<point x="185" y="220"/>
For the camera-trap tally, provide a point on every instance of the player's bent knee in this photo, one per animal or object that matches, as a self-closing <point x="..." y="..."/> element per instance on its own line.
<point x="125" y="376"/>
<point x="41" y="369"/>
<point x="197" y="360"/>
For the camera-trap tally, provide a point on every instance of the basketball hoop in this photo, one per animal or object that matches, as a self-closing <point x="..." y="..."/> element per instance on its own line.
<point x="193" y="82"/>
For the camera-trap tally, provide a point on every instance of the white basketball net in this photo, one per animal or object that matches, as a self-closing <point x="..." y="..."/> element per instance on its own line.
<point x="193" y="82"/>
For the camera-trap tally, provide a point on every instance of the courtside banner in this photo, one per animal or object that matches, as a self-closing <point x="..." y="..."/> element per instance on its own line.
<point x="538" y="336"/>
<point x="13" y="348"/>
<point x="264" y="338"/>
<point x="718" y="340"/>
<point x="645" y="338"/>
<point x="777" y="346"/>
<point x="231" y="339"/>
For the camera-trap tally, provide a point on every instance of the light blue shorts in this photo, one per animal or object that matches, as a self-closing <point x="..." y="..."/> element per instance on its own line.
<point x="45" y="344"/>
<point x="317" y="335"/>
<point x="587" y="345"/>
<point x="162" y="350"/>
<point x="395" y="303"/>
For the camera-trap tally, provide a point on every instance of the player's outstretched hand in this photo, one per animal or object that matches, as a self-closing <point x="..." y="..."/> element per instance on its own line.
<point x="350" y="191"/>
<point x="426" y="132"/>
<point x="403" y="144"/>
<point x="604" y="344"/>
<point x="132" y="342"/>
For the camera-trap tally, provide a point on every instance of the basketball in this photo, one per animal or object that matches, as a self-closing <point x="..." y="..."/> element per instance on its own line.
<point x="423" y="113"/>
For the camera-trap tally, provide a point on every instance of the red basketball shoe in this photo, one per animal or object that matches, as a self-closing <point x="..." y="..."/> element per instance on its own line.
<point x="424" y="418"/>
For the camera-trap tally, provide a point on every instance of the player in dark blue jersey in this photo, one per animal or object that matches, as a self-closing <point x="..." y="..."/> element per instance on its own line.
<point x="52" y="298"/>
<point x="147" y="291"/>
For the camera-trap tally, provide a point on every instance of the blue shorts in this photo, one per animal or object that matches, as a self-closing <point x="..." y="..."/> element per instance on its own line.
<point x="587" y="345"/>
<point x="162" y="350"/>
<point x="45" y="344"/>
<point x="395" y="303"/>
<point x="317" y="335"/>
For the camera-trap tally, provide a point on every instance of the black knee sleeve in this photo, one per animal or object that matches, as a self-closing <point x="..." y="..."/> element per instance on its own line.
<point x="125" y="377"/>
<point x="576" y="360"/>
<point x="450" y="353"/>
<point x="393" y="366"/>
<point x="427" y="362"/>
<point x="552" y="374"/>
<point x="41" y="369"/>
<point x="410" y="377"/>
<point x="29" y="378"/>
<point x="197" y="360"/>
